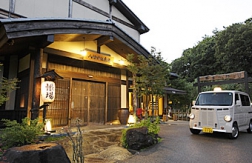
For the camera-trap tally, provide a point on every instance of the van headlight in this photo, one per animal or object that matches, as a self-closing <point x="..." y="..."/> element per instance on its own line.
<point x="192" y="116"/>
<point x="228" y="118"/>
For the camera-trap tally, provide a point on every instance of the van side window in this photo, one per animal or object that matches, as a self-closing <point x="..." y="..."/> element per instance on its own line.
<point x="236" y="97"/>
<point x="245" y="100"/>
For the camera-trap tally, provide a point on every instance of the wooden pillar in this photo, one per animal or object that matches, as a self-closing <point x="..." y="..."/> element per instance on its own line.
<point x="106" y="104"/>
<point x="35" y="81"/>
<point x="127" y="89"/>
<point x="246" y="82"/>
<point x="70" y="109"/>
<point x="199" y="87"/>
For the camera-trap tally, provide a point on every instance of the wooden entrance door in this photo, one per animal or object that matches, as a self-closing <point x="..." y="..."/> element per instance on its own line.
<point x="88" y="102"/>
<point x="114" y="101"/>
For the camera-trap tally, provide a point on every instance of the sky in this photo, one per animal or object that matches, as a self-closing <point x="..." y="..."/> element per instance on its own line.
<point x="176" y="25"/>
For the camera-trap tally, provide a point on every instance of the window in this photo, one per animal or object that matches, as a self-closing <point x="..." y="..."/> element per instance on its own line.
<point x="215" y="99"/>
<point x="245" y="100"/>
<point x="236" y="97"/>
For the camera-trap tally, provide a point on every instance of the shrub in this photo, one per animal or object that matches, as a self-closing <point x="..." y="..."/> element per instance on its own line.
<point x="18" y="134"/>
<point x="153" y="129"/>
<point x="77" y="141"/>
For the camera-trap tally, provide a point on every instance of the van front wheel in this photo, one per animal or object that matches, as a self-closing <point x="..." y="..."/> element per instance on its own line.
<point x="194" y="131"/>
<point x="235" y="132"/>
<point x="250" y="127"/>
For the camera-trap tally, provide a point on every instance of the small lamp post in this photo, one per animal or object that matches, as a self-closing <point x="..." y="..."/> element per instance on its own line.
<point x="48" y="95"/>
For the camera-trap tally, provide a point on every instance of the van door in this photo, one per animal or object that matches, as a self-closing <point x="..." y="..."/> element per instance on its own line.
<point x="238" y="111"/>
<point x="245" y="108"/>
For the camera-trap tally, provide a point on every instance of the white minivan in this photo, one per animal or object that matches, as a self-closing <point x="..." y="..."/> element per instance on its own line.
<point x="226" y="111"/>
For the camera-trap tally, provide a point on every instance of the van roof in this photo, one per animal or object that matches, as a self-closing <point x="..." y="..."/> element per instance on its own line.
<point x="233" y="91"/>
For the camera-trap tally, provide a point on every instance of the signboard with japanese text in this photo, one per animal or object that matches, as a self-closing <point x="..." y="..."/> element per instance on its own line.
<point x="48" y="91"/>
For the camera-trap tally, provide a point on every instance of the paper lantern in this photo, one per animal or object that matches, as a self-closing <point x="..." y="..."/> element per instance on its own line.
<point x="48" y="91"/>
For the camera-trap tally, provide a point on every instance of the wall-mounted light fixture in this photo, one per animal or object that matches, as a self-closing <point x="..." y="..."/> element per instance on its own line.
<point x="121" y="62"/>
<point x="90" y="76"/>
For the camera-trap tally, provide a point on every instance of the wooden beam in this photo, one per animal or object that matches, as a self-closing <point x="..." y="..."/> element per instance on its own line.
<point x="223" y="82"/>
<point x="3" y="36"/>
<point x="47" y="40"/>
<point x="90" y="77"/>
<point x="234" y="75"/>
<point x="103" y="40"/>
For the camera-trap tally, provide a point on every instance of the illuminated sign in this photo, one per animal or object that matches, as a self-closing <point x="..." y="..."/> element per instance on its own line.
<point x="100" y="58"/>
<point x="48" y="91"/>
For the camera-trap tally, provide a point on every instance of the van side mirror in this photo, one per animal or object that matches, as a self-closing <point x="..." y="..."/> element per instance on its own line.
<point x="193" y="102"/>
<point x="238" y="102"/>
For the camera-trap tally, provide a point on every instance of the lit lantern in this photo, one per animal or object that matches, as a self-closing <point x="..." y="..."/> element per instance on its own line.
<point x="48" y="91"/>
<point x="131" y="119"/>
<point x="48" y="125"/>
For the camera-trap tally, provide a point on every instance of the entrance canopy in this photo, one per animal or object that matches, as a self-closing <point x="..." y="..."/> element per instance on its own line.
<point x="20" y="35"/>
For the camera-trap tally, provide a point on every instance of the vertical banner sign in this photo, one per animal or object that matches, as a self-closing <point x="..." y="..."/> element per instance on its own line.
<point x="48" y="91"/>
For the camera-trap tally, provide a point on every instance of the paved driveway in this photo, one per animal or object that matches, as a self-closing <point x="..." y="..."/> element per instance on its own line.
<point x="180" y="146"/>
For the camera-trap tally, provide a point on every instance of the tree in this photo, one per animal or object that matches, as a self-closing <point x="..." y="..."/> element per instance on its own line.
<point x="184" y="100"/>
<point x="182" y="65"/>
<point x="234" y="48"/>
<point x="150" y="75"/>
<point x="6" y="85"/>
<point x="197" y="61"/>
<point x="229" y="50"/>
<point x="134" y="69"/>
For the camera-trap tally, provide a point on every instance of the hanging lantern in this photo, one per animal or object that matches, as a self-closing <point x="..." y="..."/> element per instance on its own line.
<point x="48" y="91"/>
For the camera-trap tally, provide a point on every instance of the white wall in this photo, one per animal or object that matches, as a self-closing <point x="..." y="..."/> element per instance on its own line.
<point x="4" y="4"/>
<point x="42" y="8"/>
<point x="60" y="9"/>
<point x="81" y="12"/>
<point x="131" y="32"/>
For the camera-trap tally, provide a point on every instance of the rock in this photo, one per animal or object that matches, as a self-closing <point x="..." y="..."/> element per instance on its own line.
<point x="37" y="153"/>
<point x="110" y="155"/>
<point x="116" y="153"/>
<point x="139" y="138"/>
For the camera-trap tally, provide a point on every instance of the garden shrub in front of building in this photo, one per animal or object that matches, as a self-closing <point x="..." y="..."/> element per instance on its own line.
<point x="153" y="129"/>
<point x="18" y="134"/>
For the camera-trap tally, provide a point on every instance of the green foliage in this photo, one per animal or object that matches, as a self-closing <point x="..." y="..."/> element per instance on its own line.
<point x="197" y="61"/>
<point x="229" y="50"/>
<point x="7" y="85"/>
<point x="226" y="51"/>
<point x="183" y="101"/>
<point x="123" y="138"/>
<point x="153" y="129"/>
<point x="150" y="75"/>
<point x="18" y="134"/>
<point x="234" y="48"/>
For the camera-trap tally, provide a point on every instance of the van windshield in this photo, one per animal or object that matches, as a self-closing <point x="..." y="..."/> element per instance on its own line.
<point x="215" y="99"/>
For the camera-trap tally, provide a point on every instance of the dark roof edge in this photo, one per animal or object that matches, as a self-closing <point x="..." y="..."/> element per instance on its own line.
<point x="170" y="90"/>
<point x="141" y="27"/>
<point x="7" y="26"/>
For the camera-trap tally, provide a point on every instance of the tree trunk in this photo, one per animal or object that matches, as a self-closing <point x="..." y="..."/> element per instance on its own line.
<point x="134" y="95"/>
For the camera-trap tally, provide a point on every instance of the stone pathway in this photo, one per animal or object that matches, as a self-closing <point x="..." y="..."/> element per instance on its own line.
<point x="100" y="145"/>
